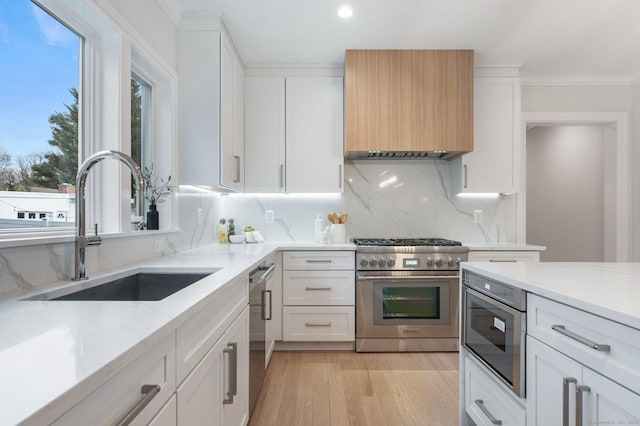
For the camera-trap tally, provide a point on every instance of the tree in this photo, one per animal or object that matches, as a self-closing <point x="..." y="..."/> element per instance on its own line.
<point x="7" y="174"/>
<point x="61" y="164"/>
<point x="24" y="172"/>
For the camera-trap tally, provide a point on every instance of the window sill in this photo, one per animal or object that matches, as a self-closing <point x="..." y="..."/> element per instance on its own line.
<point x="25" y="239"/>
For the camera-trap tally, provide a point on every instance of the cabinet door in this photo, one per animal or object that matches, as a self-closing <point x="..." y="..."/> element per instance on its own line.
<point x="271" y="326"/>
<point x="489" y="168"/>
<point x="230" y="87"/>
<point x="236" y="350"/>
<point x="314" y="147"/>
<point x="608" y="403"/>
<point x="264" y="134"/>
<point x="167" y="416"/>
<point x="547" y="372"/>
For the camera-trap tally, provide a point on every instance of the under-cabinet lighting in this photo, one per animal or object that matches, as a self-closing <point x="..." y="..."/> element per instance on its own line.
<point x="479" y="195"/>
<point x="330" y="195"/>
<point x="345" y="12"/>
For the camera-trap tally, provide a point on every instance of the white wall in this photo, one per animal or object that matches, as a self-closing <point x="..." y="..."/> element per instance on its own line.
<point x="635" y="171"/>
<point x="565" y="192"/>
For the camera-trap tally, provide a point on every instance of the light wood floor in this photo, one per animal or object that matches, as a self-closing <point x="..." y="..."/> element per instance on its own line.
<point x="348" y="388"/>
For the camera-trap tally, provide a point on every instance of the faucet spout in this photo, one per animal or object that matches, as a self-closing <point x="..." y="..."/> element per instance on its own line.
<point x="82" y="241"/>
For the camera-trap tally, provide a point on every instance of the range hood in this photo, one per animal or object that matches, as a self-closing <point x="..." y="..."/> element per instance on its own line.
<point x="408" y="104"/>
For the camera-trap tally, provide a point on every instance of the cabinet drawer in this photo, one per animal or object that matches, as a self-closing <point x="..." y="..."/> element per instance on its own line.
<point x="319" y="324"/>
<point x="318" y="260"/>
<point x="504" y="256"/>
<point x="319" y="288"/>
<point x="107" y="404"/>
<point x="485" y="398"/>
<point x="620" y="362"/>
<point x="197" y="335"/>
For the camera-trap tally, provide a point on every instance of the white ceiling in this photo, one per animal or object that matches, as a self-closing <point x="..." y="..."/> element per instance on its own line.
<point x="545" y="36"/>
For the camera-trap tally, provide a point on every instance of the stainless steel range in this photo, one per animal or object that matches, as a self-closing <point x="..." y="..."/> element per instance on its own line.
<point x="407" y="294"/>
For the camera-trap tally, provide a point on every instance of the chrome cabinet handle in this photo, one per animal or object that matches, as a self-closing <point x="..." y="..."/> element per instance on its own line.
<point x="312" y="324"/>
<point x="580" y="390"/>
<point x="340" y="176"/>
<point x="281" y="175"/>
<point x="236" y="168"/>
<point x="148" y="392"/>
<point x="493" y="420"/>
<point x="319" y="261"/>
<point x="566" y="381"/>
<point x="317" y="288"/>
<point x="465" y="175"/>
<point x="264" y="305"/>
<point x="503" y="260"/>
<point x="232" y="350"/>
<point x="593" y="345"/>
<point x="270" y="305"/>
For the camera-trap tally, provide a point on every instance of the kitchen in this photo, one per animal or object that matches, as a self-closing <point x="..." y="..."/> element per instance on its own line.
<point x="391" y="198"/>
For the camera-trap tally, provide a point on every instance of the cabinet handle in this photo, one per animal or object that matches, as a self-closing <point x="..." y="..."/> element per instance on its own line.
<point x="236" y="168"/>
<point x="264" y="305"/>
<point x="503" y="260"/>
<point x="340" y="176"/>
<point x="493" y="420"/>
<point x="566" y="381"/>
<point x="315" y="324"/>
<point x="281" y="175"/>
<point x="465" y="175"/>
<point x="232" y="350"/>
<point x="319" y="261"/>
<point x="317" y="288"/>
<point x="593" y="345"/>
<point x="580" y="390"/>
<point x="148" y="392"/>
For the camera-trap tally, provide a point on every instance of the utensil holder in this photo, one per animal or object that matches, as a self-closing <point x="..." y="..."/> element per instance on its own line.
<point x="338" y="233"/>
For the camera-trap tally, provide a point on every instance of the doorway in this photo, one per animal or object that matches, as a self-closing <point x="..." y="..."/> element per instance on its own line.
<point x="575" y="198"/>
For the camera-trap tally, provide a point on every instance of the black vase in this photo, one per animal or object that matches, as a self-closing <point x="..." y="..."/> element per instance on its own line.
<point x="153" y="221"/>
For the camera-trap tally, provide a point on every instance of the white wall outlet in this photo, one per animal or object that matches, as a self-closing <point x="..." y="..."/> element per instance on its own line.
<point x="477" y="216"/>
<point x="268" y="216"/>
<point x="158" y="246"/>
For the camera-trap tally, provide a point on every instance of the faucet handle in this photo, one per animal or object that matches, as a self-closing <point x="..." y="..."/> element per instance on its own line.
<point x="95" y="229"/>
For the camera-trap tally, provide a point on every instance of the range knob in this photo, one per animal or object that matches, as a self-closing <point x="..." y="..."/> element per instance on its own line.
<point x="458" y="260"/>
<point x="364" y="262"/>
<point x="438" y="262"/>
<point x="429" y="262"/>
<point x="373" y="262"/>
<point x="391" y="263"/>
<point x="381" y="263"/>
<point x="450" y="262"/>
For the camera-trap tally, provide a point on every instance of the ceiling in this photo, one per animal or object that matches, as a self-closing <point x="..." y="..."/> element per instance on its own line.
<point x="544" y="36"/>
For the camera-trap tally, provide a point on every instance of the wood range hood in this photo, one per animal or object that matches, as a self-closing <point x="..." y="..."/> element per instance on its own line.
<point x="408" y="104"/>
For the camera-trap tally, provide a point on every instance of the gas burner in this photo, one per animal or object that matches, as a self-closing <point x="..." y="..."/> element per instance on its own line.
<point x="405" y="242"/>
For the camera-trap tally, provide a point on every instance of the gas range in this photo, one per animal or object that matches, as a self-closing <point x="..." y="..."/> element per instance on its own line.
<point x="409" y="254"/>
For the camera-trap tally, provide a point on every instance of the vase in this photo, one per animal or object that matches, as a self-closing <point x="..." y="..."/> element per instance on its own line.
<point x="153" y="220"/>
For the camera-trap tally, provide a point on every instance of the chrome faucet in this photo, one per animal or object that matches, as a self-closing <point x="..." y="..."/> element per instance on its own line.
<point x="82" y="241"/>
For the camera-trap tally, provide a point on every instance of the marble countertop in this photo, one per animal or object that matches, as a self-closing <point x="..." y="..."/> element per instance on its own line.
<point x="488" y="246"/>
<point x="610" y="290"/>
<point x="53" y="354"/>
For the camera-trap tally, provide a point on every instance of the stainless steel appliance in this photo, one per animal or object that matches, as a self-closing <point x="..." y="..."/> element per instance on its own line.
<point x="494" y="322"/>
<point x="407" y="294"/>
<point x="259" y="314"/>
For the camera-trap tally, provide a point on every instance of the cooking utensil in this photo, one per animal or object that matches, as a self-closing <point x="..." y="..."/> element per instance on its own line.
<point x="344" y="217"/>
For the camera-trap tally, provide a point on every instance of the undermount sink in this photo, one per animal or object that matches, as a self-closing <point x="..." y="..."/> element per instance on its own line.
<point x="140" y="286"/>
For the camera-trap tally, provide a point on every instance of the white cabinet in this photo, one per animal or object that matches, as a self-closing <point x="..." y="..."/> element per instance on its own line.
<point x="573" y="358"/>
<point x="273" y="330"/>
<point x="131" y="388"/>
<point x="168" y="415"/>
<point x="503" y="256"/>
<point x="318" y="295"/>
<point x="264" y="134"/>
<point x="216" y="391"/>
<point x="299" y="119"/>
<point x="211" y="106"/>
<point x="490" y="167"/>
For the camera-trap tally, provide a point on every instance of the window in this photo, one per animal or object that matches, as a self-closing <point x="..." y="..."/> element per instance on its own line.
<point x="39" y="117"/>
<point x="140" y="127"/>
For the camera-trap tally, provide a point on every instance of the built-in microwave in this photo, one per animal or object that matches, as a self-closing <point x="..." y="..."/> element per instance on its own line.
<point x="494" y="326"/>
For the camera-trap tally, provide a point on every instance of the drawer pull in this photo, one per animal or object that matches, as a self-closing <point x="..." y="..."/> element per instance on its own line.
<point x="317" y="288"/>
<point x="480" y="403"/>
<point x="579" y="391"/>
<point x="315" y="324"/>
<point x="264" y="305"/>
<point x="232" y="350"/>
<point x="593" y="345"/>
<point x="503" y="260"/>
<point x="148" y="392"/>
<point x="319" y="260"/>
<point x="566" y="381"/>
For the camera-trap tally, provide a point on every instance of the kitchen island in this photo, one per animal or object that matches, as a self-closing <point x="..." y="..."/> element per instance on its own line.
<point x="582" y="346"/>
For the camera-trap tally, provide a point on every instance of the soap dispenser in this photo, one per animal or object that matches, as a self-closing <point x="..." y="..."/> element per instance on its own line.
<point x="319" y="227"/>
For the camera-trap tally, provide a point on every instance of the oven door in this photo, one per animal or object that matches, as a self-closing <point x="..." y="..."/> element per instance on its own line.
<point x="494" y="333"/>
<point x="413" y="304"/>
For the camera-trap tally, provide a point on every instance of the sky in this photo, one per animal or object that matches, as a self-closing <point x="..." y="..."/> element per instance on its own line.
<point x="38" y="65"/>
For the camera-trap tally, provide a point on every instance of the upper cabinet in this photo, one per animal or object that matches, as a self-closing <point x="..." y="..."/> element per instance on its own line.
<point x="490" y="167"/>
<point x="211" y="105"/>
<point x="408" y="101"/>
<point x="294" y="134"/>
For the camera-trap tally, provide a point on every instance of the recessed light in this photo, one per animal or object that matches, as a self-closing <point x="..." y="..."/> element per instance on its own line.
<point x="345" y="12"/>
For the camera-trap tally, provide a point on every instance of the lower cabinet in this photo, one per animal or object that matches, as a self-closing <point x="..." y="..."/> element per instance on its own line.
<point x="168" y="415"/>
<point x="503" y="256"/>
<point x="216" y="391"/>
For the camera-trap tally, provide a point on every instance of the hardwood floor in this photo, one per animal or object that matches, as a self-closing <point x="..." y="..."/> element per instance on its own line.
<point x="348" y="388"/>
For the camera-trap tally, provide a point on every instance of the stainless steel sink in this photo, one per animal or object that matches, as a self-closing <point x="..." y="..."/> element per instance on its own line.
<point x="139" y="286"/>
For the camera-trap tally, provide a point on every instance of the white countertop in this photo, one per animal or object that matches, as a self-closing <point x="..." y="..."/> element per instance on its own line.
<point x="53" y="354"/>
<point x="610" y="290"/>
<point x="488" y="246"/>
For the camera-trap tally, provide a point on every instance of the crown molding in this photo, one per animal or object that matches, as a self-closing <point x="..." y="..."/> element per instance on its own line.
<point x="172" y="9"/>
<point x="578" y="79"/>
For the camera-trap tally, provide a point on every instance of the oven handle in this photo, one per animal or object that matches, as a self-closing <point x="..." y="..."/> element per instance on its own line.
<point x="407" y="278"/>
